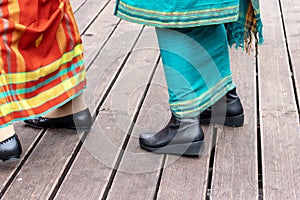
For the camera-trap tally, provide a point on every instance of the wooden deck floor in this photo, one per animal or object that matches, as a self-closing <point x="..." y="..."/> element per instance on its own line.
<point x="127" y="95"/>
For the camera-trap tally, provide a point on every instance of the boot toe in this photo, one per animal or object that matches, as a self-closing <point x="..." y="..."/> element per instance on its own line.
<point x="10" y="149"/>
<point x="35" y="122"/>
<point x="145" y="139"/>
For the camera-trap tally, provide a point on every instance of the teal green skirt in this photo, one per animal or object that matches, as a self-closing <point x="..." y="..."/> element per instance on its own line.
<point x="178" y="14"/>
<point x="197" y="67"/>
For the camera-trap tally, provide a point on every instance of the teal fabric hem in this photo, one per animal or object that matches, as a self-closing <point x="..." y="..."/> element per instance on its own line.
<point x="177" y="25"/>
<point x="210" y="97"/>
<point x="166" y="14"/>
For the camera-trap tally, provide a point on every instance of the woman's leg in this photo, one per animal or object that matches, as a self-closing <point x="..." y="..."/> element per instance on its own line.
<point x="67" y="109"/>
<point x="199" y="62"/>
<point x="73" y="115"/>
<point x="6" y="132"/>
<point x="197" y="69"/>
<point x="74" y="106"/>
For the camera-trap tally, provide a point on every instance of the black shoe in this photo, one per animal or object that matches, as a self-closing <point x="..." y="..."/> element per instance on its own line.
<point x="10" y="149"/>
<point x="232" y="109"/>
<point x="81" y="120"/>
<point x="181" y="136"/>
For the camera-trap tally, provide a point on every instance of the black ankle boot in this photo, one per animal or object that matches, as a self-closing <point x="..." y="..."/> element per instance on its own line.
<point x="229" y="114"/>
<point x="10" y="149"/>
<point x="181" y="136"/>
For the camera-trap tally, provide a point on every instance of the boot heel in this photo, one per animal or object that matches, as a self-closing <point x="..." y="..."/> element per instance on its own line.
<point x="236" y="121"/>
<point x="195" y="149"/>
<point x="189" y="149"/>
<point x="11" y="159"/>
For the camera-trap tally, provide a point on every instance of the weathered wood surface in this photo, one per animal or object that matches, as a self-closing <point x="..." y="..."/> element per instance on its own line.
<point x="184" y="177"/>
<point x="279" y="116"/>
<point x="103" y="145"/>
<point x="139" y="172"/>
<point x="29" y="139"/>
<point x="235" y="163"/>
<point x="291" y="17"/>
<point x="127" y="95"/>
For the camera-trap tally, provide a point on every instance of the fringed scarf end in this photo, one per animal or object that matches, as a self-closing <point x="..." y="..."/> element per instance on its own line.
<point x="247" y="31"/>
<point x="239" y="38"/>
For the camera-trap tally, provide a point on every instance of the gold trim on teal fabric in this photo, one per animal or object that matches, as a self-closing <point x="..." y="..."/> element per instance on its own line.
<point x="196" y="106"/>
<point x="184" y="18"/>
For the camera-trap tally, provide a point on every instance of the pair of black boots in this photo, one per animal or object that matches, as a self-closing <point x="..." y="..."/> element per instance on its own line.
<point x="184" y="136"/>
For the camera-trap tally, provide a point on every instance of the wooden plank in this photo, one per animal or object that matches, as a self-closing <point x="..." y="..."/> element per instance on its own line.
<point x="101" y="23"/>
<point x="140" y="168"/>
<point x="291" y="16"/>
<point x="185" y="178"/>
<point x="276" y="88"/>
<point x="61" y="148"/>
<point x="281" y="147"/>
<point x="279" y="118"/>
<point x="88" y="12"/>
<point x="235" y="163"/>
<point x="42" y="169"/>
<point x="27" y="137"/>
<point x="99" y="33"/>
<point x="109" y="62"/>
<point x="76" y="4"/>
<point x="107" y="136"/>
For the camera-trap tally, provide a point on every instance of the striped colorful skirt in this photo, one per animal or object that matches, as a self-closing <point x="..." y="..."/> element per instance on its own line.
<point x="41" y="58"/>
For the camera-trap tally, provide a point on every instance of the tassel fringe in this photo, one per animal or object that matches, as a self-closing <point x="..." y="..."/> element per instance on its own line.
<point x="246" y="33"/>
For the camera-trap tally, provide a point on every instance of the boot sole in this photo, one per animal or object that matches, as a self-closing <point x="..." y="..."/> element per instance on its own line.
<point x="11" y="158"/>
<point x="236" y="121"/>
<point x="189" y="149"/>
<point x="66" y="127"/>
